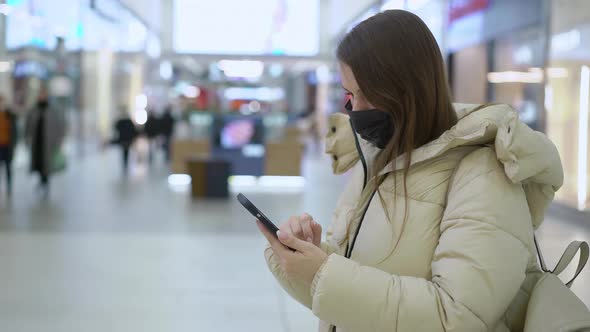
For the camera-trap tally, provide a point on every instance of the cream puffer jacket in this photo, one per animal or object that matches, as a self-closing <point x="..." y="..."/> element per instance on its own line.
<point x="464" y="258"/>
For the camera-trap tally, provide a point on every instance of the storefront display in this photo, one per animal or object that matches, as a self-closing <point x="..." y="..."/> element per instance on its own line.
<point x="37" y="23"/>
<point x="467" y="70"/>
<point x="567" y="97"/>
<point x="549" y="87"/>
<point x="87" y="25"/>
<point x="517" y="75"/>
<point x="462" y="8"/>
<point x="499" y="63"/>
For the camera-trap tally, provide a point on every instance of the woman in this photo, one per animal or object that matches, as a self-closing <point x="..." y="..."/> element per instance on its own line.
<point x="45" y="131"/>
<point x="435" y="229"/>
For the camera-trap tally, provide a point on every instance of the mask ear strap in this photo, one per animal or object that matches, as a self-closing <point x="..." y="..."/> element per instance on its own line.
<point x="348" y="106"/>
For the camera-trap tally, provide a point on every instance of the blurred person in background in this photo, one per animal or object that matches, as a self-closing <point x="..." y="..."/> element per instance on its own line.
<point x="126" y="134"/>
<point x="434" y="231"/>
<point x="45" y="132"/>
<point x="8" y="139"/>
<point x="167" y="122"/>
<point x="152" y="131"/>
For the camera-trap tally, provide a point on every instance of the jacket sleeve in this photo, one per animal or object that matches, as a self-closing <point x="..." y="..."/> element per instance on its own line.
<point x="297" y="290"/>
<point x="477" y="267"/>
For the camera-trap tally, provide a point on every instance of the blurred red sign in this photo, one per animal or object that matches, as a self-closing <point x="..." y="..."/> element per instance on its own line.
<point x="461" y="8"/>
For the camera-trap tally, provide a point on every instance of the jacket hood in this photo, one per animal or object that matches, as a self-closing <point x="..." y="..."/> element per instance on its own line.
<point x="340" y="143"/>
<point x="528" y="156"/>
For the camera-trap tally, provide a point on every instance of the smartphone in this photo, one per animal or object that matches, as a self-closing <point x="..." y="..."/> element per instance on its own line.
<point x="258" y="214"/>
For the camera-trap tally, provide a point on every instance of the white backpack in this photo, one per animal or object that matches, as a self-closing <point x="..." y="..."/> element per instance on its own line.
<point x="552" y="305"/>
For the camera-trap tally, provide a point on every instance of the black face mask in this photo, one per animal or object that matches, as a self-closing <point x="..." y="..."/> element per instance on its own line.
<point x="43" y="104"/>
<point x="372" y="125"/>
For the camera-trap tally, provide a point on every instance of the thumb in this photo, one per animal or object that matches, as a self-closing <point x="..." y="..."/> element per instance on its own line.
<point x="293" y="242"/>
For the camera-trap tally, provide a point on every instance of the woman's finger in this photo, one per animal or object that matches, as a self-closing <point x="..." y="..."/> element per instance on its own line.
<point x="286" y="227"/>
<point x="307" y="231"/>
<point x="279" y="248"/>
<point x="317" y="233"/>
<point x="296" y="227"/>
<point x="289" y="241"/>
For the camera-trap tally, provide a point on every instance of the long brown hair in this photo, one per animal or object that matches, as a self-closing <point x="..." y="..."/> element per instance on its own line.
<point x="399" y="69"/>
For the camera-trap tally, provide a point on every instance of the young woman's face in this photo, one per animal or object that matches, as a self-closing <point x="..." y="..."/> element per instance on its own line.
<point x="352" y="89"/>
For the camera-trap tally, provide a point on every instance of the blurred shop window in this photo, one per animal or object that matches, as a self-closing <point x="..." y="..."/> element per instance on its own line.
<point x="37" y="23"/>
<point x="237" y="134"/>
<point x="469" y="75"/>
<point x="567" y="97"/>
<point x="517" y="75"/>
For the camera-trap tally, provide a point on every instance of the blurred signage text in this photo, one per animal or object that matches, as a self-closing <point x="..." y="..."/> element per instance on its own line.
<point x="462" y="8"/>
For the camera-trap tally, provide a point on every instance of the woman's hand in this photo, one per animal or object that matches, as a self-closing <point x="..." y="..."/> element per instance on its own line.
<point x="303" y="228"/>
<point x="303" y="262"/>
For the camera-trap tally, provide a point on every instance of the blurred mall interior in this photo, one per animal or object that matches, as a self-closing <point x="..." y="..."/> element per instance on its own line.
<point x="229" y="96"/>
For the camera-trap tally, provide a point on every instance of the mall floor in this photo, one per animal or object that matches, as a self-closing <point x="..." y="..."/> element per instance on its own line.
<point x="107" y="254"/>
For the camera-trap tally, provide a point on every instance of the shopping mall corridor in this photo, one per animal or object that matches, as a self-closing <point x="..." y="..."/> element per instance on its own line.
<point x="107" y="254"/>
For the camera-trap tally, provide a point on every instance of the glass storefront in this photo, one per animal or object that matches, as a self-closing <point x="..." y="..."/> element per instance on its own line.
<point x="80" y="50"/>
<point x="567" y="96"/>
<point x="87" y="25"/>
<point x="517" y="75"/>
<point x="548" y="86"/>
<point x="468" y="74"/>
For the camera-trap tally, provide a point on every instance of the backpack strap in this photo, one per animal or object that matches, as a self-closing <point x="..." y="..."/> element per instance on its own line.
<point x="567" y="257"/>
<point x="541" y="259"/>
